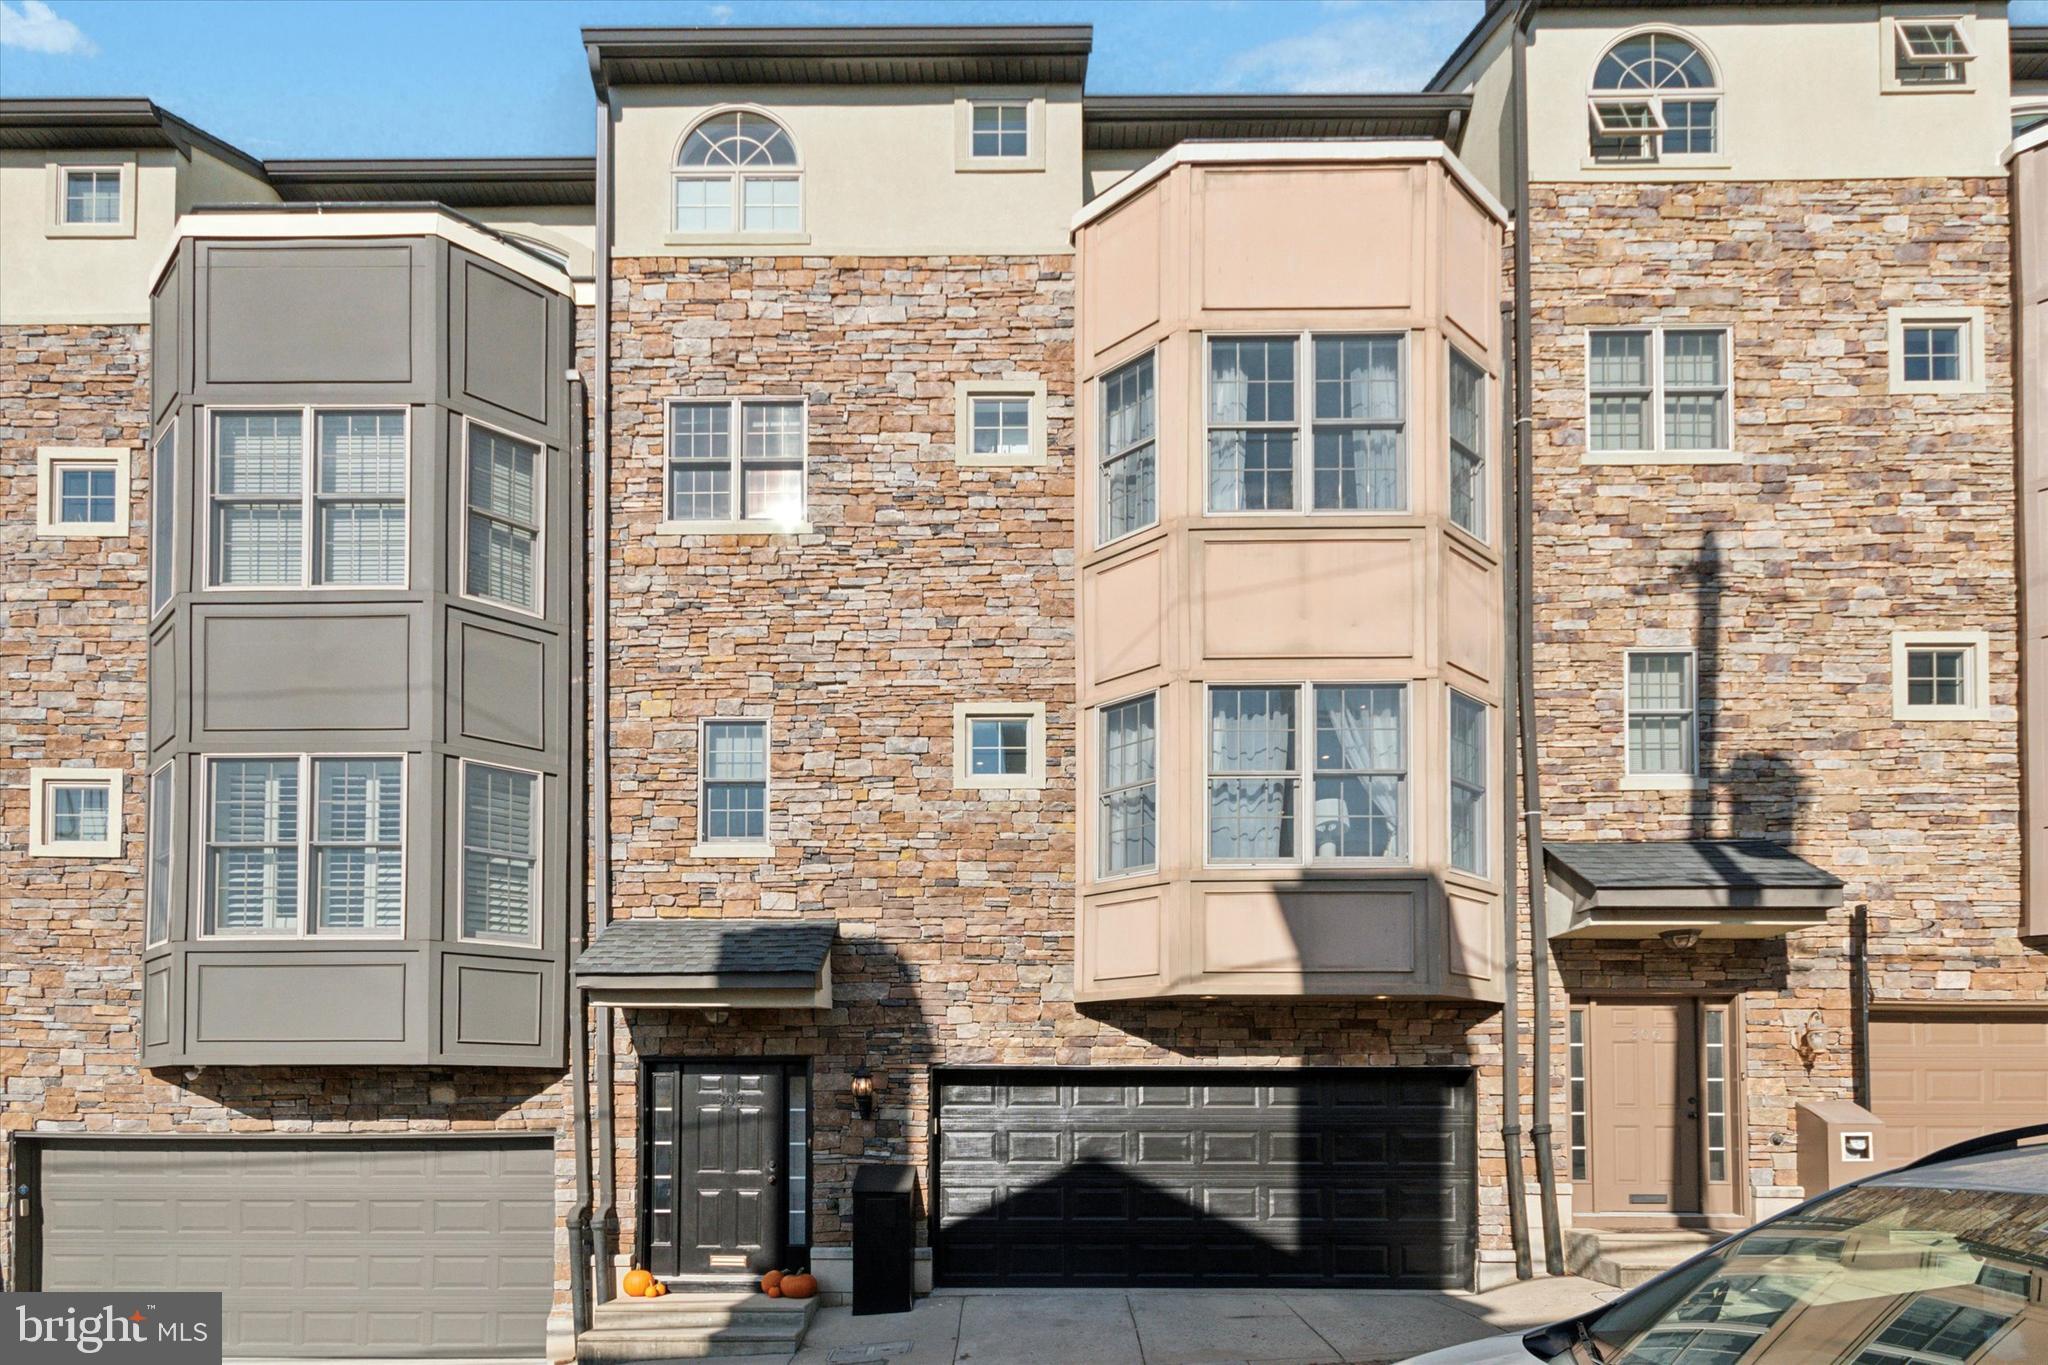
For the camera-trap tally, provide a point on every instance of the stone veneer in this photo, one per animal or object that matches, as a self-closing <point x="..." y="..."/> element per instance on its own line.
<point x="1853" y="511"/>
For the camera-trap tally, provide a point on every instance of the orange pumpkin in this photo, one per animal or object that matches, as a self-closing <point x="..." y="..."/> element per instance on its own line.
<point x="773" y="1291"/>
<point x="770" y="1280"/>
<point x="657" y="1290"/>
<point x="799" y="1286"/>
<point x="637" y="1281"/>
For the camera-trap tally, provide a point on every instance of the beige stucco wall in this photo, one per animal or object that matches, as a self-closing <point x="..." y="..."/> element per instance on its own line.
<point x="209" y="180"/>
<point x="1287" y="597"/>
<point x="2030" y="332"/>
<point x="880" y="170"/>
<point x="567" y="228"/>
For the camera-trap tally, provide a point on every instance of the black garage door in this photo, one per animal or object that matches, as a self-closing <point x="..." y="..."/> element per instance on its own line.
<point x="1178" y="1177"/>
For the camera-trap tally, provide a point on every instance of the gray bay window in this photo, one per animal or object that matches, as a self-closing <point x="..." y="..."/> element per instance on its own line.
<point x="263" y="500"/>
<point x="260" y="848"/>
<point x="503" y="527"/>
<point x="1468" y="784"/>
<point x="500" y="852"/>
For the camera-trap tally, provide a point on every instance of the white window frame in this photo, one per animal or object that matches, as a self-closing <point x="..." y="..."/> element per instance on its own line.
<point x="737" y="176"/>
<point x="738" y="848"/>
<point x="1689" y="780"/>
<point x="309" y="498"/>
<point x="1304" y="774"/>
<point x="967" y="391"/>
<point x="40" y="842"/>
<point x="534" y="939"/>
<point x="1975" y="646"/>
<point x="1657" y="158"/>
<point x="1657" y="453"/>
<point x="160" y="818"/>
<point x="1967" y="319"/>
<point x="1894" y="51"/>
<point x="1483" y="508"/>
<point x="60" y="179"/>
<point x="51" y="464"/>
<point x="1032" y="101"/>
<point x="1483" y="839"/>
<point x="1305" y="422"/>
<point x="539" y="609"/>
<point x="309" y="803"/>
<point x="1099" y="748"/>
<point x="966" y="713"/>
<point x="163" y="519"/>
<point x="733" y="526"/>
<point x="1105" y="457"/>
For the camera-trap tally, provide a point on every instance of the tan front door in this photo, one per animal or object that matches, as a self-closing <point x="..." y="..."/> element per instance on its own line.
<point x="1644" y="1107"/>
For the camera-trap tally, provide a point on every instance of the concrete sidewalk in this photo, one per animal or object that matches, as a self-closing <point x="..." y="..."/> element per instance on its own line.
<point x="1180" y="1326"/>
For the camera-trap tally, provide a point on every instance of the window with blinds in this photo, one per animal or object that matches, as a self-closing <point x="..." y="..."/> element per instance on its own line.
<point x="266" y="862"/>
<point x="502" y="559"/>
<point x="252" y="854"/>
<point x="500" y="853"/>
<point x="163" y="500"/>
<point x="159" y="817"/>
<point x="269" y="486"/>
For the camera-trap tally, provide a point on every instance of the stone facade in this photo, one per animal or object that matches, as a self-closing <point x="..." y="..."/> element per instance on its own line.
<point x="1852" y="511"/>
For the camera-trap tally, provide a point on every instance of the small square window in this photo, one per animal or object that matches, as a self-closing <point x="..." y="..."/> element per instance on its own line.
<point x="1002" y="131"/>
<point x="1002" y="426"/>
<point x="82" y="492"/>
<point x="1934" y="354"/>
<point x="85" y="494"/>
<point x="999" y="746"/>
<point x="75" y="812"/>
<point x="1940" y="675"/>
<point x="1000" y="421"/>
<point x="1936" y="350"/>
<point x="92" y="196"/>
<point x="1937" y="677"/>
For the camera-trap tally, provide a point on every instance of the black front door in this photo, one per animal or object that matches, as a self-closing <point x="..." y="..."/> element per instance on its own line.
<point x="713" y="1192"/>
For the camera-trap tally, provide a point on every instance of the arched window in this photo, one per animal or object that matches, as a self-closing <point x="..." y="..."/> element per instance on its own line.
<point x="1654" y="95"/>
<point x="738" y="163"/>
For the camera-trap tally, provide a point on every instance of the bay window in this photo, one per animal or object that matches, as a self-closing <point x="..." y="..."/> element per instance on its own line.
<point x="502" y="512"/>
<point x="271" y="871"/>
<point x="1130" y="786"/>
<point x="286" y="514"/>
<point x="1356" y="773"/>
<point x="501" y="822"/>
<point x="1129" y="491"/>
<point x="1353" y="424"/>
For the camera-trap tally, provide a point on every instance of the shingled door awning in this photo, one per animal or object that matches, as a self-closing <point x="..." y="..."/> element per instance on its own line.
<point x="710" y="964"/>
<point x="1719" y="888"/>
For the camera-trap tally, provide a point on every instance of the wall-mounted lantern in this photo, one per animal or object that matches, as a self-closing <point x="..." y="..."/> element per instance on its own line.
<point x="1810" y="1040"/>
<point x="863" y="1088"/>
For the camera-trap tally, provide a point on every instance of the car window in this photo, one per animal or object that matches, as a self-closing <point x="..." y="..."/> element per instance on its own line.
<point x="1871" y="1275"/>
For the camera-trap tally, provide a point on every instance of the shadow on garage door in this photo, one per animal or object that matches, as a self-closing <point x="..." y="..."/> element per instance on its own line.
<point x="1186" y="1176"/>
<point x="322" y="1248"/>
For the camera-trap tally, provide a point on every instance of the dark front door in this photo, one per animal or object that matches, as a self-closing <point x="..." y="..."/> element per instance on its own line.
<point x="714" y="1192"/>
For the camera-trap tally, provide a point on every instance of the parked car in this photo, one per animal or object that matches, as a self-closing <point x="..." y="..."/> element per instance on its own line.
<point x="1943" y="1260"/>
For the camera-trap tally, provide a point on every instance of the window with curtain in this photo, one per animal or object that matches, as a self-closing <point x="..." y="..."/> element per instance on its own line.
<point x="765" y="467"/>
<point x="1254" y="776"/>
<point x="358" y="843"/>
<point x="1252" y="424"/>
<point x="158" y="926"/>
<point x="1661" y="716"/>
<point x="163" y="498"/>
<point x="1130" y="786"/>
<point x="500" y="853"/>
<point x="503" y="481"/>
<point x="1360" y="430"/>
<point x="359" y="498"/>
<point x="259" y="499"/>
<point x="735" y="782"/>
<point x="253" y="846"/>
<point x="1468" y="784"/>
<point x="1129" y="493"/>
<point x="1361" y="772"/>
<point x="1468" y="445"/>
<point x="738" y="161"/>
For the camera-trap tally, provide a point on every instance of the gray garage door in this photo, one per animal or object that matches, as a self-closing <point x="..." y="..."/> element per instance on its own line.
<point x="1185" y="1177"/>
<point x="422" y="1248"/>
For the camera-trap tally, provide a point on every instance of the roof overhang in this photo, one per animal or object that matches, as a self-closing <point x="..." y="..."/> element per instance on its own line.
<point x="2028" y="45"/>
<point x="1709" y="888"/>
<point x="700" y="964"/>
<point x="1145" y="122"/>
<point x="459" y="182"/>
<point x="68" y="124"/>
<point x="1049" y="54"/>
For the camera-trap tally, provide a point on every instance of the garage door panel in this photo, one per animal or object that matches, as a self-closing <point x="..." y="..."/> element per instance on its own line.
<point x="325" y="1249"/>
<point x="1937" y="1080"/>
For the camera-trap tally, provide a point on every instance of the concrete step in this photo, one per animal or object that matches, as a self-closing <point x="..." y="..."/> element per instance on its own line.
<point x="694" y="1326"/>
<point x="1627" y="1259"/>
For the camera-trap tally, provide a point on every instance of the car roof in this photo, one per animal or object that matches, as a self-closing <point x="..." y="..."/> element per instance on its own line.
<point x="2015" y="1170"/>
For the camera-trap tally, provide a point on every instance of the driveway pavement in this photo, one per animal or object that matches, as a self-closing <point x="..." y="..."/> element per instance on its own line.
<point x="1181" y="1326"/>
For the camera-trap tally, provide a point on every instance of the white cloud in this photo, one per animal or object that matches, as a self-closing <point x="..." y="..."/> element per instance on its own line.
<point x="721" y="14"/>
<point x="1383" y="46"/>
<point x="35" y="27"/>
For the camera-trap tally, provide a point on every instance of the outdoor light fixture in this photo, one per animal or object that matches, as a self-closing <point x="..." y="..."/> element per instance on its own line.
<point x="1681" y="938"/>
<point x="1810" y="1040"/>
<point x="863" y="1088"/>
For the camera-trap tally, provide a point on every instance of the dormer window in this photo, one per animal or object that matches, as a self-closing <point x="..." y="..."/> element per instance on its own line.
<point x="1931" y="52"/>
<point x="738" y="175"/>
<point x="1654" y="97"/>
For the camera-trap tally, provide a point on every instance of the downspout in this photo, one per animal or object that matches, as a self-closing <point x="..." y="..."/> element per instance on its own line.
<point x="579" y="1038"/>
<point x="1532" y="794"/>
<point x="1511" y="1009"/>
<point x="1859" y="1002"/>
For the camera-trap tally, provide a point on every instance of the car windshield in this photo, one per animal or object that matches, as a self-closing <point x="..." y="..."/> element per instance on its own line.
<point x="1871" y="1275"/>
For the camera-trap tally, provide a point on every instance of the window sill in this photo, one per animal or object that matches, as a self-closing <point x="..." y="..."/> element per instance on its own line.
<point x="82" y="852"/>
<point x="90" y="230"/>
<point x="1661" y="457"/>
<point x="1001" y="461"/>
<point x="1937" y="386"/>
<point x="1940" y="713"/>
<point x="83" y="530"/>
<point x="741" y="244"/>
<point x="733" y="528"/>
<point x="732" y="850"/>
<point x="972" y="165"/>
<point x="1676" y="167"/>
<point x="1663" y="782"/>
<point x="1010" y="784"/>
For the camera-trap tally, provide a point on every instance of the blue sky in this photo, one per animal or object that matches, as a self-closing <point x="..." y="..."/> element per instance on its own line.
<point x="282" y="78"/>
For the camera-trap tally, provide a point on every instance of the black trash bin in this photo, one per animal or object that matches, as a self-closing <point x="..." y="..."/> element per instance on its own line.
<point x="884" y="1238"/>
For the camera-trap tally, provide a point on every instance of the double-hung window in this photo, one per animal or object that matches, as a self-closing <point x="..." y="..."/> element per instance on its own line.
<point x="159" y="823"/>
<point x="1930" y="53"/>
<point x="715" y="478"/>
<point x="268" y="485"/>
<point x="1129" y="490"/>
<point x="267" y="863"/>
<point x="502" y="529"/>
<point x="163" y="530"/>
<point x="1468" y="445"/>
<point x="1130" y="786"/>
<point x="1354" y="424"/>
<point x="1356" y="773"/>
<point x="1468" y="765"/>
<point x="501" y="824"/>
<point x="733" y="758"/>
<point x="1662" y="709"/>
<point x="1658" y="392"/>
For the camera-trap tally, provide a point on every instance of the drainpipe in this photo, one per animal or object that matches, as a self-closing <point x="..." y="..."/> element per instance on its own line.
<point x="1511" y="1008"/>
<point x="1859" y="1001"/>
<point x="579" y="1040"/>
<point x="1532" y="794"/>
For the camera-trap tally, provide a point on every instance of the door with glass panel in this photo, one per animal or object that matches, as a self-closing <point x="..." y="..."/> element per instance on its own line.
<point x="1652" y="1113"/>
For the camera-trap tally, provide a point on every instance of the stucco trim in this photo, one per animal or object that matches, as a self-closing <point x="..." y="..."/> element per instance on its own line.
<point x="267" y="224"/>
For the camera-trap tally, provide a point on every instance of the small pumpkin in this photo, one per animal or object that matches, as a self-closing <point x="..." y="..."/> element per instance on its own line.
<point x="773" y="1291"/>
<point x="799" y="1286"/>
<point x="770" y="1281"/>
<point x="637" y="1281"/>
<point x="657" y="1290"/>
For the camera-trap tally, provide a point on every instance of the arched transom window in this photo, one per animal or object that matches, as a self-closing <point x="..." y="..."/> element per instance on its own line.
<point x="1654" y="96"/>
<point x="738" y="172"/>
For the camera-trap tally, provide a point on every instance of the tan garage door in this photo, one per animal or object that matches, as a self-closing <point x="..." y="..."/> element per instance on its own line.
<point x="322" y="1249"/>
<point x="1940" y="1078"/>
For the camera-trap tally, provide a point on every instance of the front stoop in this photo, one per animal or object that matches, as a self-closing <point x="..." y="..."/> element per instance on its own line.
<point x="694" y="1325"/>
<point x="1627" y="1259"/>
